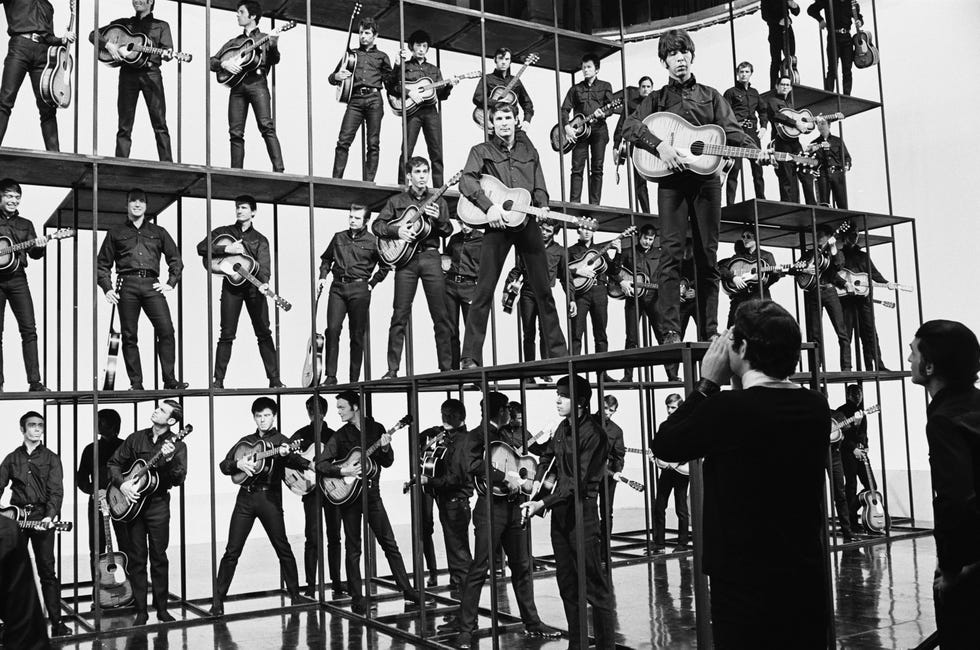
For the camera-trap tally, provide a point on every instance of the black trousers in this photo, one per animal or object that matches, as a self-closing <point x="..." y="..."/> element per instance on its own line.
<point x="859" y="314"/>
<point x="832" y="182"/>
<point x="758" y="180"/>
<point x="839" y="47"/>
<point x="20" y="608"/>
<point x="232" y="299"/>
<point x="683" y="199"/>
<point x="645" y="305"/>
<point x="836" y="473"/>
<point x="454" y="515"/>
<point x="459" y="297"/>
<point x="780" y="41"/>
<point x="24" y="57"/>
<point x="426" y="266"/>
<point x="428" y="121"/>
<point x="331" y="518"/>
<point x="132" y="82"/>
<point x="593" y="305"/>
<point x="97" y="545"/>
<point x="598" y="591"/>
<point x="15" y="291"/>
<point x="138" y="293"/>
<point x="671" y="481"/>
<point x="42" y="543"/>
<point x="853" y="470"/>
<point x="528" y="311"/>
<point x="350" y="514"/>
<point x="606" y="499"/>
<point x="831" y="304"/>
<point x="148" y="536"/>
<point x="367" y="110"/>
<point x="266" y="506"/>
<point x="427" y="506"/>
<point x="493" y="254"/>
<point x="252" y="91"/>
<point x="956" y="616"/>
<point x="351" y="300"/>
<point x="790" y="181"/>
<point x="593" y="150"/>
<point x="641" y="191"/>
<point x="507" y="534"/>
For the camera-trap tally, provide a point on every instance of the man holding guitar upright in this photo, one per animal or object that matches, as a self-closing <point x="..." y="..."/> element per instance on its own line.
<point x="586" y="97"/>
<point x="826" y="283"/>
<point x="148" y="533"/>
<point x="260" y="497"/>
<point x="252" y="89"/>
<point x="853" y="450"/>
<point x="135" y="248"/>
<point x="13" y="279"/>
<point x="787" y="172"/>
<point x="248" y="242"/>
<point x="836" y="19"/>
<point x="30" y="24"/>
<point x="835" y="160"/>
<point x="109" y="442"/>
<point x="37" y="488"/>
<point x="425" y="264"/>
<point x="145" y="78"/>
<point x="632" y="100"/>
<point x="593" y="302"/>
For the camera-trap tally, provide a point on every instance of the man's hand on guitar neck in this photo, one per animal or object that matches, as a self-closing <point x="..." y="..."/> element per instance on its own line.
<point x="69" y="37"/>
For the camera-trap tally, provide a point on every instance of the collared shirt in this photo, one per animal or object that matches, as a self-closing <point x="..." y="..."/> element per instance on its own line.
<point x="36" y="479"/>
<point x="617" y="447"/>
<point x="498" y="78"/>
<point x="836" y="155"/>
<point x="373" y="67"/>
<point x="347" y="438"/>
<point x="85" y="476"/>
<point x="132" y="249"/>
<point x="158" y="31"/>
<point x="516" y="166"/>
<point x="557" y="258"/>
<point x="307" y="435"/>
<point x="463" y="250"/>
<point x="767" y="259"/>
<point x="353" y="254"/>
<point x="858" y="261"/>
<point x="255" y="243"/>
<point x="843" y="11"/>
<point x="31" y="17"/>
<point x="774" y="102"/>
<point x="578" y="250"/>
<point x="397" y="204"/>
<point x="646" y="261"/>
<point x="20" y="230"/>
<point x="857" y="433"/>
<point x="632" y="100"/>
<point x="773" y="11"/>
<point x="746" y="104"/>
<point x="586" y="98"/>
<point x="829" y="275"/>
<point x="268" y="52"/>
<point x="141" y="446"/>
<point x="590" y="455"/>
<point x="271" y="477"/>
<point x="415" y="70"/>
<point x="454" y="480"/>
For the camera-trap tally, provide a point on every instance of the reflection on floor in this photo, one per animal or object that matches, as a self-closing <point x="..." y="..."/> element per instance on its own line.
<point x="883" y="600"/>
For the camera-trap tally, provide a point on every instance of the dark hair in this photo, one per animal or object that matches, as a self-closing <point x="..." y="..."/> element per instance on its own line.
<point x="788" y="78"/>
<point x="8" y="184"/>
<point x="320" y="401"/>
<point x="27" y="416"/>
<point x="611" y="401"/>
<point x="547" y="222"/>
<point x="176" y="410"/>
<point x="824" y="230"/>
<point x="351" y="398"/>
<point x="361" y="206"/>
<point x="263" y="403"/>
<point x="502" y="51"/>
<point x="109" y="422"/>
<point x="675" y="40"/>
<point x="516" y="409"/>
<point x="853" y="389"/>
<point x="253" y="8"/>
<point x="952" y="349"/>
<point x="368" y="23"/>
<point x="503" y="107"/>
<point x="673" y="398"/>
<point x="583" y="391"/>
<point x="454" y="408"/>
<point x="645" y="78"/>
<point x="419" y="36"/>
<point x="497" y="403"/>
<point x="745" y="64"/>
<point x="135" y="193"/>
<point x="414" y="162"/>
<point x="772" y="337"/>
<point x="591" y="56"/>
<point x="648" y="229"/>
<point x="246" y="199"/>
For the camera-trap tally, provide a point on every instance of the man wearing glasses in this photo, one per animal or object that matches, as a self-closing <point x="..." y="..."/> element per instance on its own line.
<point x="747" y="249"/>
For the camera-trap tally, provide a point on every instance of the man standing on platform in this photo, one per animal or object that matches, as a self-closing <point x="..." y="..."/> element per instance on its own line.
<point x="109" y="442"/>
<point x="463" y="251"/>
<point x="859" y="310"/>
<point x="501" y="76"/>
<point x="615" y="462"/>
<point x="787" y="172"/>
<point x="782" y="39"/>
<point x="586" y="97"/>
<point x="351" y="256"/>
<point x="593" y="302"/>
<point x="643" y="259"/>
<point x="630" y="103"/>
<point x="751" y="252"/>
<point x="835" y="160"/>
<point x="853" y="450"/>
<point x="673" y="478"/>
<point x="746" y="104"/>
<point x="837" y="21"/>
<point x="826" y="284"/>
<point x="135" y="248"/>
<point x="250" y="242"/>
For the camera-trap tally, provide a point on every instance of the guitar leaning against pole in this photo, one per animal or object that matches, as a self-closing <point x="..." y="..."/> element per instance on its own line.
<point x="314" y="350"/>
<point x="55" y="85"/>
<point x="396" y="252"/>
<point x="515" y="205"/>
<point x="115" y="340"/>
<point x="113" y="579"/>
<point x="146" y="480"/>
<point x="345" y="489"/>
<point x="874" y="518"/>
<point x="240" y="268"/>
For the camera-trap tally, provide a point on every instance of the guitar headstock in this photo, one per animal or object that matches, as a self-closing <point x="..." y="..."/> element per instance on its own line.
<point x="404" y="422"/>
<point x="455" y="179"/>
<point x="805" y="161"/>
<point x="183" y="433"/>
<point x="62" y="233"/>
<point x="183" y="57"/>
<point x="844" y="227"/>
<point x="531" y="59"/>
<point x="613" y="105"/>
<point x="476" y="74"/>
<point x="629" y="232"/>
<point x="587" y="222"/>
<point x="871" y="410"/>
<point x="356" y="10"/>
<point x="283" y="304"/>
<point x="288" y="26"/>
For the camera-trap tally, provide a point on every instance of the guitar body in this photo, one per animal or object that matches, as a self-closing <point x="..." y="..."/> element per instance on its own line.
<point x="120" y="508"/>
<point x="686" y="285"/>
<point x="301" y="482"/>
<point x="511" y="293"/>
<point x="8" y="261"/>
<point x="411" y="106"/>
<point x="564" y="144"/>
<point x="865" y="52"/>
<point x="112" y="359"/>
<point x="861" y="282"/>
<point x="687" y="139"/>
<point x="640" y="285"/>
<point x="592" y="259"/>
<point x="873" y="515"/>
<point x="681" y="468"/>
<point x="120" y="36"/>
<point x="506" y="459"/>
<point x="346" y="88"/>
<point x="56" y="77"/>
<point x="431" y="459"/>
<point x="220" y="263"/>
<point x="397" y="252"/>
<point x="788" y="69"/>
<point x="249" y="63"/>
<point x="114" y="587"/>
<point x="497" y="94"/>
<point x="740" y="266"/>
<point x="344" y="489"/>
<point x="513" y="201"/>
<point x="244" y="449"/>
<point x="787" y="132"/>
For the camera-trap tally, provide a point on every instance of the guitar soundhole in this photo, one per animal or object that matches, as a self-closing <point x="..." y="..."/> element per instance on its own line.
<point x="507" y="205"/>
<point x="697" y="147"/>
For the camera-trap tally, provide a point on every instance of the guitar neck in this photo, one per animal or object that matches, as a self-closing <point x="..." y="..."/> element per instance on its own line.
<point x="149" y="49"/>
<point x="22" y="245"/>
<point x="248" y="276"/>
<point x="517" y="77"/>
<point x="373" y="448"/>
<point x="106" y="528"/>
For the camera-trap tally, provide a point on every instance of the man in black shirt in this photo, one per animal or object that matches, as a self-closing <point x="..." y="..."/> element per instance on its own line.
<point x="853" y="450"/>
<point x="350" y="256"/>
<point x="425" y="265"/>
<point x="748" y="249"/>
<point x="463" y="251"/>
<point x="135" y="247"/>
<point x="827" y="284"/>
<point x="593" y="302"/>
<point x="615" y="461"/>
<point x="944" y="359"/>
<point x="782" y="39"/>
<point x="253" y="89"/>
<point x="673" y="478"/>
<point x="148" y="534"/>
<point x="31" y="28"/>
<point x="586" y="97"/>
<point x="109" y="442"/>
<point x="13" y="280"/>
<point x="514" y="160"/>
<point x="260" y="497"/>
<point x="787" y="172"/>
<point x="835" y="160"/>
<point x="251" y="243"/>
<point x="631" y="102"/>
<point x="365" y="106"/>
<point x="20" y="608"/>
<point x="427" y="118"/>
<point x="859" y="310"/>
<point x="768" y="421"/>
<point x="500" y="76"/>
<point x="145" y="79"/>
<point x="643" y="258"/>
<point x="37" y="487"/>
<point x="837" y="21"/>
<point x="746" y="104"/>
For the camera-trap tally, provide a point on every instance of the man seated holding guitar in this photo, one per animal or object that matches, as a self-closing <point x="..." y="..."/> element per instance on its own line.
<point x="30" y="24"/>
<point x="251" y="89"/>
<point x="425" y="263"/>
<point x="37" y="488"/>
<point x="13" y="279"/>
<point x="585" y="98"/>
<point x="747" y="251"/>
<point x="142" y="78"/>
<point x="148" y="533"/>
<point x="673" y="477"/>
<point x="260" y="497"/>
<point x="242" y="239"/>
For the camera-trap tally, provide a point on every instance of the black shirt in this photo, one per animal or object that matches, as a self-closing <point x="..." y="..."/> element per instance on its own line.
<point x="774" y="11"/>
<point x="373" y="67"/>
<point x="836" y="155"/>
<point x="272" y="475"/>
<point x="256" y="246"/>
<point x="645" y="261"/>
<point x="858" y="261"/>
<point x="578" y="249"/>
<point x="353" y="254"/>
<point x="347" y="438"/>
<point x="20" y="230"/>
<point x="497" y="78"/>
<point x="775" y="102"/>
<point x="855" y="434"/>
<point x="268" y="53"/>
<point x="31" y="17"/>
<point x="585" y="98"/>
<point x="632" y="100"/>
<point x="36" y="479"/>
<point x="617" y="447"/>
<point x="829" y="275"/>
<point x="85" y="476"/>
<point x="843" y="12"/>
<point x="475" y="460"/>
<point x="453" y="478"/>
<point x="158" y="31"/>
<point x="140" y="446"/>
<point x="463" y="250"/>
<point x="132" y="248"/>
<point x="557" y="263"/>
<point x="767" y="259"/>
<point x="517" y="166"/>
<point x="397" y="204"/>
<point x="591" y="456"/>
<point x="746" y="104"/>
<point x="415" y="70"/>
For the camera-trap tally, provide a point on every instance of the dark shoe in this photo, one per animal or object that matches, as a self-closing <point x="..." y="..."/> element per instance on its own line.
<point x="358" y="607"/>
<point x="681" y="546"/>
<point x="882" y="368"/>
<point x="218" y="609"/>
<point x="141" y="618"/>
<point x="310" y="592"/>
<point x="338" y="586"/>
<point x="329" y="381"/>
<point x="432" y="581"/>
<point x="463" y="641"/>
<point x="671" y="337"/>
<point x="415" y="600"/>
<point x="449" y="627"/>
<point x="671" y="369"/>
<point x="391" y="374"/>
<point x="542" y="630"/>
<point x="627" y="377"/>
<point x="38" y="387"/>
<point x="219" y="384"/>
<point x="466" y="364"/>
<point x="137" y="387"/>
<point x="275" y="383"/>
<point x="546" y="379"/>
<point x="59" y="629"/>
<point x="657" y="548"/>
<point x="176" y="385"/>
<point x="297" y="598"/>
<point x="164" y="616"/>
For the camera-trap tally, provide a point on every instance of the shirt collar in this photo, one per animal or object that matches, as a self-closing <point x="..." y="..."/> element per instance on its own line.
<point x="250" y="34"/>
<point x="271" y="432"/>
<point x="418" y="195"/>
<point x="10" y="217"/>
<point x="674" y="83"/>
<point x="743" y="86"/>
<point x="758" y="378"/>
<point x="148" y="16"/>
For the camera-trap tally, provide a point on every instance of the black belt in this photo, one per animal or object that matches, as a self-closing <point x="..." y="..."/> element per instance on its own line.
<point x="364" y="90"/>
<point x="461" y="497"/>
<point x="141" y="273"/>
<point x="257" y="488"/>
<point x="461" y="279"/>
<point x="843" y="30"/>
<point x="834" y="169"/>
<point x="343" y="279"/>
<point x="33" y="36"/>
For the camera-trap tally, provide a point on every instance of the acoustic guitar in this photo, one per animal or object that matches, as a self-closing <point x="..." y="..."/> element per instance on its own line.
<point x="427" y="88"/>
<point x="344" y="489"/>
<point x="702" y="149"/>
<point x="240" y="268"/>
<point x="114" y="587"/>
<point x="10" y="260"/>
<point x="503" y="93"/>
<point x="582" y="125"/>
<point x="790" y="132"/>
<point x="258" y="452"/>
<point x="681" y="468"/>
<point x="515" y="204"/>
<point x="505" y="458"/>
<point x="641" y="284"/>
<point x="620" y="154"/>
<point x="348" y="61"/>
<point x="146" y="479"/>
<point x="746" y="268"/>
<point x="19" y="515"/>
<point x="115" y="340"/>
<point x="862" y="283"/>
<point x="314" y="350"/>
<point x="302" y="481"/>
<point x="432" y="455"/>
<point x="873" y="515"/>
<point x="396" y="252"/>
<point x="135" y="49"/>
<point x="837" y="425"/>
<point x="807" y="277"/>
<point x="247" y="54"/>
<point x="586" y="268"/>
<point x="511" y="292"/>
<point x="865" y="52"/>
<point x="55" y="85"/>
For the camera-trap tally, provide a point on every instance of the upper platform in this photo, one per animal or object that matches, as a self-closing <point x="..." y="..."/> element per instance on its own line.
<point x="819" y="101"/>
